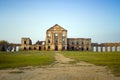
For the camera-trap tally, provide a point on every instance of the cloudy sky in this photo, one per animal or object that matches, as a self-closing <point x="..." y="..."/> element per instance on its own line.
<point x="96" y="19"/>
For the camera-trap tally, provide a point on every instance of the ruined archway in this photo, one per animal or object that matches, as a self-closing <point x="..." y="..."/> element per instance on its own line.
<point x="25" y="48"/>
<point x="56" y="48"/>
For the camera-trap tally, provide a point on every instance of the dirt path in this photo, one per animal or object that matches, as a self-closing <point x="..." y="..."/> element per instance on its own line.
<point x="60" y="70"/>
<point x="61" y="59"/>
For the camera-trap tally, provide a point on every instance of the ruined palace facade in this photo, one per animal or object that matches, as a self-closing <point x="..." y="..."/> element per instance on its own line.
<point x="57" y="40"/>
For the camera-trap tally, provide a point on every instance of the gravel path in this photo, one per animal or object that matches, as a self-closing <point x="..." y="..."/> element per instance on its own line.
<point x="60" y="70"/>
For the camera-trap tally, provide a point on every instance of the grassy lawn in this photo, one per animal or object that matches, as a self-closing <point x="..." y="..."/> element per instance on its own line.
<point x="25" y="58"/>
<point x="110" y="59"/>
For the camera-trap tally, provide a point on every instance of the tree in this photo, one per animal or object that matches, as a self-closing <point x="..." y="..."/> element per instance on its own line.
<point x="3" y="42"/>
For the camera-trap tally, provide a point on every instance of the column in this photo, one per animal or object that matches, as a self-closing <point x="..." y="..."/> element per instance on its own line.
<point x="101" y="49"/>
<point x="14" y="48"/>
<point x="96" y="48"/>
<point x="106" y="48"/>
<point x="110" y="48"/>
<point x="115" y="48"/>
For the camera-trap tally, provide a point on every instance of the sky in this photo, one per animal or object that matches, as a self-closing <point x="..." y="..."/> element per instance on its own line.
<point x="95" y="19"/>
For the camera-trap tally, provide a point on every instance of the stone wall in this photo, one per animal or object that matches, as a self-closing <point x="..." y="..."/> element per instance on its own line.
<point x="80" y="44"/>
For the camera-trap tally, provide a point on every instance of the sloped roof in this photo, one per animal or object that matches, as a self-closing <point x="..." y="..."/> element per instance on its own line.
<point x="56" y="27"/>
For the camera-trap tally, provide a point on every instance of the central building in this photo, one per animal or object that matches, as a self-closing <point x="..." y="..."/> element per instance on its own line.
<point x="56" y="38"/>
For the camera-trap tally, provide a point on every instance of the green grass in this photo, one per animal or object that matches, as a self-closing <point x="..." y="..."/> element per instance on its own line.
<point x="25" y="58"/>
<point x="109" y="59"/>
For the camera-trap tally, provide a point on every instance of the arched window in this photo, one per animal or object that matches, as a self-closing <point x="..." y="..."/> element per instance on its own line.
<point x="77" y="43"/>
<point x="48" y="47"/>
<point x="72" y="42"/>
<point x="56" y="34"/>
<point x="24" y="42"/>
<point x="82" y="43"/>
<point x="49" y="35"/>
<point x="48" y="41"/>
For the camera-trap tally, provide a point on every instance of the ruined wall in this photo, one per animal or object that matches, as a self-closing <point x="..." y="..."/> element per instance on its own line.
<point x="56" y="38"/>
<point x="106" y="47"/>
<point x="80" y="44"/>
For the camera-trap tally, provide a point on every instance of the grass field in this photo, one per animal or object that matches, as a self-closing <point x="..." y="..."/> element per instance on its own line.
<point x="39" y="58"/>
<point x="25" y="58"/>
<point x="110" y="59"/>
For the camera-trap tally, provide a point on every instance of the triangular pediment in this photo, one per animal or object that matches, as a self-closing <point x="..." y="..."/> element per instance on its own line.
<point x="56" y="27"/>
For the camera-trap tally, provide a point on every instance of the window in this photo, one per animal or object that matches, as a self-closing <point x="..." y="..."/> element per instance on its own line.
<point x="43" y="43"/>
<point x="48" y="41"/>
<point x="82" y="43"/>
<point x="49" y="35"/>
<point x="72" y="42"/>
<point x="77" y="43"/>
<point x="63" y="35"/>
<point x="24" y="42"/>
<point x="56" y="41"/>
<point x="56" y="34"/>
<point x="87" y="43"/>
<point x="48" y="47"/>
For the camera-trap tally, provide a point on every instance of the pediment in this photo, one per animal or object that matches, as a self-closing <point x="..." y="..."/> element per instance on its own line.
<point x="56" y="27"/>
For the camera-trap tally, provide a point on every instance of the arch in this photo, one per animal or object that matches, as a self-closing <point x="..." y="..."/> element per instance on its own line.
<point x="17" y="48"/>
<point x="39" y="48"/>
<point x="25" y="48"/>
<point x="48" y="41"/>
<point x="82" y="48"/>
<point x="25" y="42"/>
<point x="48" y="47"/>
<point x="87" y="49"/>
<point x="113" y="49"/>
<point x="99" y="49"/>
<point x="72" y="48"/>
<point x="34" y="48"/>
<point x="29" y="48"/>
<point x="3" y="48"/>
<point x="63" y="48"/>
<point x="56" y="48"/>
<point x="108" y="49"/>
<point x="103" y="48"/>
<point x="118" y="49"/>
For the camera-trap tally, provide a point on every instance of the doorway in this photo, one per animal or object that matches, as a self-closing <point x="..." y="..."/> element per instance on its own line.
<point x="56" y="48"/>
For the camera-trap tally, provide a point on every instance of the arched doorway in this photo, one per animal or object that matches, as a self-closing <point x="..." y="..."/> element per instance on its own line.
<point x="24" y="48"/>
<point x="56" y="48"/>
<point x="82" y="49"/>
<point x="87" y="49"/>
<point x="29" y="48"/>
<point x="39" y="48"/>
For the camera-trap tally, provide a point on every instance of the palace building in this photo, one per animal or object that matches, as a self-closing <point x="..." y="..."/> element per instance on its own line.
<point x="57" y="40"/>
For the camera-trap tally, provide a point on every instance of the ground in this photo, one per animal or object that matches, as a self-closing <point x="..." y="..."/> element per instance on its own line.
<point x="62" y="69"/>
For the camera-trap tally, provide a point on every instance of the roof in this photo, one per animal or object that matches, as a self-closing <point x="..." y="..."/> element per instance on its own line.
<point x="56" y="27"/>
